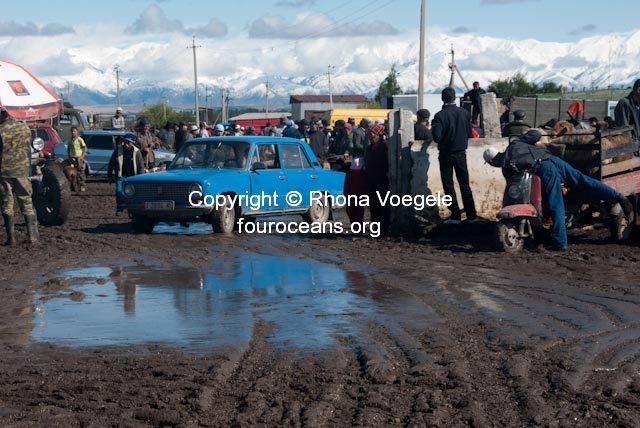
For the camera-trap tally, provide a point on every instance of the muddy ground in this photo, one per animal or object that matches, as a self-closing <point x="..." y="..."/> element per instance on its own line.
<point x="539" y="339"/>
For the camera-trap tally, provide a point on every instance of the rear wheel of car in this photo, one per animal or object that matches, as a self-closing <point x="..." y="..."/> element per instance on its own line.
<point x="142" y="224"/>
<point x="319" y="211"/>
<point x="223" y="218"/>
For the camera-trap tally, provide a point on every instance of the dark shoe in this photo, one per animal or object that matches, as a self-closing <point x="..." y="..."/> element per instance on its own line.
<point x="627" y="208"/>
<point x="32" y="228"/>
<point x="9" y="227"/>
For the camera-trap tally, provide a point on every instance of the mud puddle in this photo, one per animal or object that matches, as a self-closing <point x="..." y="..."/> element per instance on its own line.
<point x="308" y="303"/>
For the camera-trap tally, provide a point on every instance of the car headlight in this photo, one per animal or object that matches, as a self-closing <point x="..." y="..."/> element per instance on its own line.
<point x="129" y="190"/>
<point x="195" y="187"/>
<point x="37" y="144"/>
<point x="514" y="192"/>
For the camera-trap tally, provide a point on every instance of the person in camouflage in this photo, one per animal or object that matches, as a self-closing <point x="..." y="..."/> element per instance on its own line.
<point x="15" y="139"/>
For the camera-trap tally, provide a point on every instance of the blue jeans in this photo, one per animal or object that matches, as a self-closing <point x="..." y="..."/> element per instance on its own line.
<point x="553" y="173"/>
<point x="119" y="196"/>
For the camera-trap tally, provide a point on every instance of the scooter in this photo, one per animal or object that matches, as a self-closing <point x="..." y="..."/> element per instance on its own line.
<point x="524" y="218"/>
<point x="521" y="215"/>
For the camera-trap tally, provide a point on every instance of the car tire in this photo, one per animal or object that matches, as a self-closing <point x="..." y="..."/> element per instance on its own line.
<point x="223" y="218"/>
<point x="318" y="212"/>
<point x="142" y="224"/>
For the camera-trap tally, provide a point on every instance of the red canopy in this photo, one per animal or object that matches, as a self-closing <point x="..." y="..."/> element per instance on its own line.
<point x="24" y="96"/>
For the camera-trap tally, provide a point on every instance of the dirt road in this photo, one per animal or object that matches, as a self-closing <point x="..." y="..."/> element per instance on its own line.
<point x="439" y="331"/>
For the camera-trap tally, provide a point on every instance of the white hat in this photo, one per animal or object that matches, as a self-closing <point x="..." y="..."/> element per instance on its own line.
<point x="220" y="127"/>
<point x="119" y="109"/>
<point x="193" y="128"/>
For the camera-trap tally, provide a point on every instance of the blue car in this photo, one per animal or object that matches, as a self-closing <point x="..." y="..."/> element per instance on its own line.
<point x="218" y="180"/>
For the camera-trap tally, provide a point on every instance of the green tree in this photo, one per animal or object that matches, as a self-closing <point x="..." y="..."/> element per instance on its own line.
<point x="519" y="86"/>
<point x="515" y="86"/>
<point x="550" y="88"/>
<point x="155" y="115"/>
<point x="389" y="86"/>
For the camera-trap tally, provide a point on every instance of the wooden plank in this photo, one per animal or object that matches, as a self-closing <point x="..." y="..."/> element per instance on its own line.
<point x="618" y="167"/>
<point x="627" y="184"/>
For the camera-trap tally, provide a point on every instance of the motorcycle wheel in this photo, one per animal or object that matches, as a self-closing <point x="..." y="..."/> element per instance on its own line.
<point x="52" y="197"/>
<point x="508" y="237"/>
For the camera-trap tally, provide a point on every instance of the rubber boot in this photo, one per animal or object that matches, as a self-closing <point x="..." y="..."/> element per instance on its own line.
<point x="10" y="228"/>
<point x="32" y="228"/>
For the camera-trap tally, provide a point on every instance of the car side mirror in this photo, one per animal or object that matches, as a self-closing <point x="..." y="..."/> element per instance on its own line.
<point x="257" y="166"/>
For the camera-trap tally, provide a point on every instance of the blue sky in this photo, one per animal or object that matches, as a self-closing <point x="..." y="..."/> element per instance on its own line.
<point x="545" y="20"/>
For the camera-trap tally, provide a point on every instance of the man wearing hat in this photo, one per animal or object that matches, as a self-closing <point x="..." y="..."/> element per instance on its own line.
<point x="126" y="161"/>
<point x="117" y="121"/>
<point x="523" y="152"/>
<point x="15" y="141"/>
<point x="147" y="144"/>
<point x="517" y="126"/>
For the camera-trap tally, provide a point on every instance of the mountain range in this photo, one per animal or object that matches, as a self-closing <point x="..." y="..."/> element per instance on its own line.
<point x="598" y="61"/>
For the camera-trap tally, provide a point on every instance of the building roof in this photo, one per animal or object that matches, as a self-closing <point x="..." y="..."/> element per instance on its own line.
<point x="257" y="116"/>
<point x="325" y="99"/>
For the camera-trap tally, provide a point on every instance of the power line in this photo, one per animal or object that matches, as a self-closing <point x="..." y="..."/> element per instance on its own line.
<point x="317" y="34"/>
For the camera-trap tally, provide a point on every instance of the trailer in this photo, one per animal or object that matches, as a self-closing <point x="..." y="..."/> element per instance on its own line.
<point x="616" y="166"/>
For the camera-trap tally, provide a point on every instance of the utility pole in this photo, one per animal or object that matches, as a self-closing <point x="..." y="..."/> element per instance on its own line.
<point x="164" y="108"/>
<point x="329" y="68"/>
<point x="195" y="78"/>
<point x="117" y="70"/>
<point x="423" y="24"/>
<point x="223" y="109"/>
<point x="206" y="103"/>
<point x="267" y="99"/>
<point x="68" y="91"/>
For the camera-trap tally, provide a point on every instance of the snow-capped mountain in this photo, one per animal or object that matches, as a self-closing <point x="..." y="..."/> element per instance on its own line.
<point x="598" y="61"/>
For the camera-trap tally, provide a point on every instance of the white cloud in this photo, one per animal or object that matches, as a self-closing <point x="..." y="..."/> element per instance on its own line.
<point x="310" y="25"/>
<point x="15" y="29"/>
<point x="153" y="20"/>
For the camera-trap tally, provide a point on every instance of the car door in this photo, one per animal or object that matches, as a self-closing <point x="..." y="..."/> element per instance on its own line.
<point x="99" y="150"/>
<point x="267" y="175"/>
<point x="301" y="176"/>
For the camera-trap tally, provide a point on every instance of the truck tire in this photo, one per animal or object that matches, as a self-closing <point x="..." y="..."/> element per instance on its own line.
<point x="52" y="197"/>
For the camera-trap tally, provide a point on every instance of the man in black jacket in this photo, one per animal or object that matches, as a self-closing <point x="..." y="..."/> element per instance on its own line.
<point x="628" y="109"/>
<point x="476" y="101"/>
<point x="451" y="129"/>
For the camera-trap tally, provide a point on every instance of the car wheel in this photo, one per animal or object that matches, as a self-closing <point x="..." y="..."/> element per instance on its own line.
<point x="142" y="224"/>
<point x="223" y="218"/>
<point x="318" y="212"/>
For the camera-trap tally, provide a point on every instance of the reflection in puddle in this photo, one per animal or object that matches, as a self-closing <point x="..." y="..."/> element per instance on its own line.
<point x="309" y="303"/>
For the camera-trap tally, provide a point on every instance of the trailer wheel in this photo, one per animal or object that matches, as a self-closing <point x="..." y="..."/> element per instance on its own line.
<point x="508" y="238"/>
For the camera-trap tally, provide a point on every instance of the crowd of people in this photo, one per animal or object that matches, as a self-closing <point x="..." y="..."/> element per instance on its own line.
<point x="360" y="150"/>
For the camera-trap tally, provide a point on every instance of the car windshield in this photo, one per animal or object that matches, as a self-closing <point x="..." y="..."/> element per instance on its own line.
<point x="212" y="154"/>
